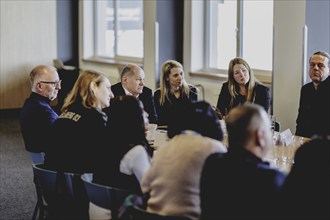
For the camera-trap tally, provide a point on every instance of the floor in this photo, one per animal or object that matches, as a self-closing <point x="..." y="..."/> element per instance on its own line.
<point x="17" y="192"/>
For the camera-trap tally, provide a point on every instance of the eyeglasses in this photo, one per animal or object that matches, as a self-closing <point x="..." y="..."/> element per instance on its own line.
<point x="55" y="84"/>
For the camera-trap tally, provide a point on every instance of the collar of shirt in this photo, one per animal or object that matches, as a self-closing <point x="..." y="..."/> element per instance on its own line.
<point x="128" y="93"/>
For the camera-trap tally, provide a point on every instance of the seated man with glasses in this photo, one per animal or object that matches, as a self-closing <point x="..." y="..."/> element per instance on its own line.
<point x="314" y="106"/>
<point x="37" y="116"/>
<point x="55" y="84"/>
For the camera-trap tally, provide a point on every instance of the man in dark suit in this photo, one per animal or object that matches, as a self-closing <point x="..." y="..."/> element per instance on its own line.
<point x="132" y="83"/>
<point x="314" y="106"/>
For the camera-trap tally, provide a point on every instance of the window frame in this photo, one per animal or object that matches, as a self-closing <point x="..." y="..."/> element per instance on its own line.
<point x="203" y="69"/>
<point x="90" y="39"/>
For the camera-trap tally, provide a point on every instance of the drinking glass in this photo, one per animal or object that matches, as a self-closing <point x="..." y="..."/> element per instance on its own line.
<point x="151" y="132"/>
<point x="279" y="151"/>
<point x="295" y="144"/>
<point x="272" y="119"/>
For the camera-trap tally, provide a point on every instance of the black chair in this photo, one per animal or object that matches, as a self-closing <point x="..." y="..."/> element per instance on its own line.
<point x="68" y="77"/>
<point x="62" y="195"/>
<point x="136" y="213"/>
<point x="104" y="196"/>
<point x="38" y="158"/>
<point x="40" y="206"/>
<point x="200" y="87"/>
<point x="277" y="126"/>
<point x="133" y="212"/>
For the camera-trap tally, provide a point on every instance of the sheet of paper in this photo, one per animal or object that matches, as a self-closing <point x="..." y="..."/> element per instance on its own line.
<point x="287" y="134"/>
<point x="161" y="138"/>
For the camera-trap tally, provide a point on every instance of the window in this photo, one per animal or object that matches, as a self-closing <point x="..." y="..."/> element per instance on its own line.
<point x="239" y="28"/>
<point x="118" y="29"/>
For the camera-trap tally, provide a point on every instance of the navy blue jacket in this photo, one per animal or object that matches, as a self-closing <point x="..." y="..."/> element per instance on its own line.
<point x="239" y="185"/>
<point x="79" y="140"/>
<point x="36" y="119"/>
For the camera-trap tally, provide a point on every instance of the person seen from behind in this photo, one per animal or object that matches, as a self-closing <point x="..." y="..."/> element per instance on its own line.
<point x="240" y="184"/>
<point x="172" y="183"/>
<point x="306" y="191"/>
<point x="128" y="154"/>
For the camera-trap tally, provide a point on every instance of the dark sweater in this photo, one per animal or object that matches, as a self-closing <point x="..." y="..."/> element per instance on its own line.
<point x="36" y="119"/>
<point x="314" y="110"/>
<point x="78" y="140"/>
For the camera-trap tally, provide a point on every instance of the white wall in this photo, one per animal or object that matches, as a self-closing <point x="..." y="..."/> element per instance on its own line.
<point x="288" y="60"/>
<point x="28" y="38"/>
<point x="151" y="59"/>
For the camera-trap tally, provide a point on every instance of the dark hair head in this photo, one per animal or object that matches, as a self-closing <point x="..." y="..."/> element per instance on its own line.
<point x="126" y="119"/>
<point x="197" y="116"/>
<point x="313" y="155"/>
<point x="322" y="53"/>
<point x="126" y="128"/>
<point x="242" y="122"/>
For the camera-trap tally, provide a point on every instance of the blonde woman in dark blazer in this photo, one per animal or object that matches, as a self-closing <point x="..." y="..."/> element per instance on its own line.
<point x="241" y="87"/>
<point x="174" y="91"/>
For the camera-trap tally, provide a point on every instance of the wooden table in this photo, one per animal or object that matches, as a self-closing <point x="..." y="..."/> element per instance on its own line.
<point x="282" y="157"/>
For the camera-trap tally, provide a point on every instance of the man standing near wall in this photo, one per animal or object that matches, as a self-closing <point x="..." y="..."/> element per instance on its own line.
<point x="314" y="106"/>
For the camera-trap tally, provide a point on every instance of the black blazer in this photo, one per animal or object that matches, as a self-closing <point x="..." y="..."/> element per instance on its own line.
<point x="314" y="107"/>
<point x="165" y="111"/>
<point x="262" y="97"/>
<point x="245" y="188"/>
<point x="146" y="97"/>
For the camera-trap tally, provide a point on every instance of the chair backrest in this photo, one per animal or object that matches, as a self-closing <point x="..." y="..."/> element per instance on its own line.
<point x="48" y="179"/>
<point x="69" y="78"/>
<point x="104" y="196"/>
<point x="201" y="91"/>
<point x="277" y="126"/>
<point x="133" y="212"/>
<point x="132" y="209"/>
<point x="58" y="64"/>
<point x="37" y="158"/>
<point x="63" y="192"/>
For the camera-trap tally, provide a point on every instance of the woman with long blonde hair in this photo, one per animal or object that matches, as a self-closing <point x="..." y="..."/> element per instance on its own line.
<point x="241" y="87"/>
<point x="78" y="138"/>
<point x="81" y="128"/>
<point x="173" y="91"/>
